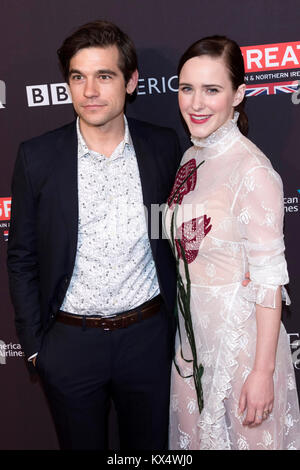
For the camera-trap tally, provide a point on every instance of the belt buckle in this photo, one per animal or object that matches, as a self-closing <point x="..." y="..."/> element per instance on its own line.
<point x="109" y="317"/>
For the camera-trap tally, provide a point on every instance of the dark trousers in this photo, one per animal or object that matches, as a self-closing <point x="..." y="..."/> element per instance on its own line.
<point x="83" y="368"/>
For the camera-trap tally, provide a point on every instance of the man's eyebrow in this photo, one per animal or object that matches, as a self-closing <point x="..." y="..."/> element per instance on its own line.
<point x="100" y="71"/>
<point x="74" y="71"/>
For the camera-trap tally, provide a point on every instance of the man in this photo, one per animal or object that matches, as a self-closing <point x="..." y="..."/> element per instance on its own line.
<point x="93" y="292"/>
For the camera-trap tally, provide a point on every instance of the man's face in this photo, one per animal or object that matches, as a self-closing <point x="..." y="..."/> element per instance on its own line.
<point x="98" y="87"/>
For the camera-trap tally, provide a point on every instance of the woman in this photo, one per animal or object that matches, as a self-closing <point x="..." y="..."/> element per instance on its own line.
<point x="225" y="217"/>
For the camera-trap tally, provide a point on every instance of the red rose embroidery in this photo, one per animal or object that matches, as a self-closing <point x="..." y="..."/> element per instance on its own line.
<point x="180" y="190"/>
<point x="191" y="234"/>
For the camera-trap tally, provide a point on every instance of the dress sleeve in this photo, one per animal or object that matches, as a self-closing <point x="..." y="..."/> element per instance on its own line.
<point x="259" y="209"/>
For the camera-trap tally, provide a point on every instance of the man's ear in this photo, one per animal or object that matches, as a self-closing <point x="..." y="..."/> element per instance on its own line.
<point x="132" y="83"/>
<point x="239" y="95"/>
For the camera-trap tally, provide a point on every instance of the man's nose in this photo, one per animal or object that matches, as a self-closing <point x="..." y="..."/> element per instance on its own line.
<point x="90" y="89"/>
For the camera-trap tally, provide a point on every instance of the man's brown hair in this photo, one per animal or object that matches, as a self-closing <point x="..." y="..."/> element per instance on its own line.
<point x="99" y="34"/>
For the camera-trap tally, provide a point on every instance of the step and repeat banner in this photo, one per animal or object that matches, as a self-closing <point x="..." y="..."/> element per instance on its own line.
<point x="35" y="99"/>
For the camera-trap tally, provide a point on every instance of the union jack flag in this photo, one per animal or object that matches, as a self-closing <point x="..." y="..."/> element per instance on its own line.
<point x="5" y="234"/>
<point x="271" y="88"/>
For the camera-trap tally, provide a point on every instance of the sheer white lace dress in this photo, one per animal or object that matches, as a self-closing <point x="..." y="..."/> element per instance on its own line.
<point x="239" y="194"/>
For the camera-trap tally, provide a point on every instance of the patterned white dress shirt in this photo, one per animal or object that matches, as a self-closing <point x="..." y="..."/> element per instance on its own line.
<point x="114" y="269"/>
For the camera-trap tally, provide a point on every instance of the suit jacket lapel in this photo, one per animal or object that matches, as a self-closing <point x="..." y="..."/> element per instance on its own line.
<point x="67" y="184"/>
<point x="146" y="160"/>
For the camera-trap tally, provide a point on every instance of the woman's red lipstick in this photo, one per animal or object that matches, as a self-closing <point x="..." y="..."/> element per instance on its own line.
<point x="199" y="119"/>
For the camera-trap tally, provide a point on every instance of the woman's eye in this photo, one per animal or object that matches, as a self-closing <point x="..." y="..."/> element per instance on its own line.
<point x="212" y="91"/>
<point x="185" y="89"/>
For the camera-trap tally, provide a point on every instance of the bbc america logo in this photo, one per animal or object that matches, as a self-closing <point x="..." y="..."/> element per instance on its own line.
<point x="58" y="93"/>
<point x="45" y="95"/>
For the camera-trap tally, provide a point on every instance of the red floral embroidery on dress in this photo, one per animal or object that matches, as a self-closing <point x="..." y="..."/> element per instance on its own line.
<point x="180" y="188"/>
<point x="191" y="234"/>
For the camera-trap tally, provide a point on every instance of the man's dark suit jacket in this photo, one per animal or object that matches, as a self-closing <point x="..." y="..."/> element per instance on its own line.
<point x="44" y="221"/>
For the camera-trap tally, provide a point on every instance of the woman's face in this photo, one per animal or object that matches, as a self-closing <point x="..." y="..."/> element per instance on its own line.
<point x="206" y="97"/>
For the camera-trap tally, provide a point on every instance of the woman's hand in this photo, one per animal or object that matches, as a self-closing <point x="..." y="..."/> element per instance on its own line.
<point x="257" y="397"/>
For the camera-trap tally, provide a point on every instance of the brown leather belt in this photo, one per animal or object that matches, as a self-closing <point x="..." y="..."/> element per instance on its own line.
<point x="122" y="320"/>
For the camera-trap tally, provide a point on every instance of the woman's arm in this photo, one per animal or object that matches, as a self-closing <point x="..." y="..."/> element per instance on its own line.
<point x="268" y="324"/>
<point x="257" y="393"/>
<point x="260" y="196"/>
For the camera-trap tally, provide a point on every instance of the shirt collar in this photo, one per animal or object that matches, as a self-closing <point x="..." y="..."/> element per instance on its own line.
<point x="119" y="150"/>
